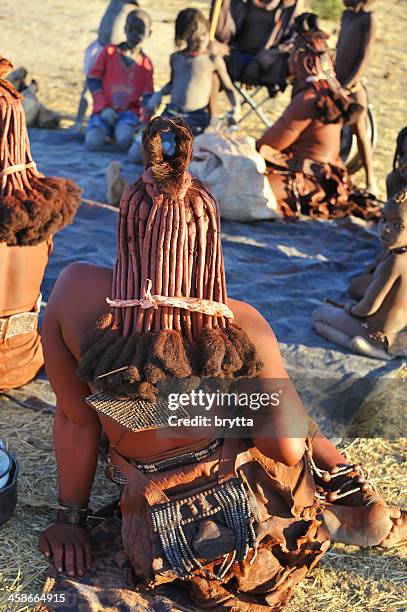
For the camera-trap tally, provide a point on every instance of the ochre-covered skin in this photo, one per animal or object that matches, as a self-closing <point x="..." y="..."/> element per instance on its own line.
<point x="21" y="273"/>
<point x="302" y="148"/>
<point x="32" y="209"/>
<point x="78" y="299"/>
<point x="375" y="323"/>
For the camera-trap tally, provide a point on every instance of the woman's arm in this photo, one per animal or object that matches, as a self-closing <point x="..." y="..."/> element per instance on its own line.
<point x="76" y="425"/>
<point x="377" y="290"/>
<point x="288" y="128"/>
<point x="76" y="439"/>
<point x="282" y="431"/>
<point x="94" y="81"/>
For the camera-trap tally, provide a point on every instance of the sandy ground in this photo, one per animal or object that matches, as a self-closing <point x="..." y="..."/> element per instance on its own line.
<point x="49" y="38"/>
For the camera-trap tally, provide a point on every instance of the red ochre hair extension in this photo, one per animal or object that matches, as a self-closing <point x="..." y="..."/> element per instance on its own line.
<point x="169" y="232"/>
<point x="32" y="207"/>
<point x="310" y="58"/>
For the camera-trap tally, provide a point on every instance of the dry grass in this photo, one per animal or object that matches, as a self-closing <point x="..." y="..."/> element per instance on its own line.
<point x="347" y="579"/>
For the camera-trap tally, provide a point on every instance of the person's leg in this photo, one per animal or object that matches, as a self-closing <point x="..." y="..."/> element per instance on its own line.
<point x="94" y="139"/>
<point x="347" y="331"/>
<point x="364" y="144"/>
<point x="361" y="345"/>
<point x="285" y="198"/>
<point x="125" y="128"/>
<point x="97" y="131"/>
<point x="135" y="153"/>
<point x="332" y="334"/>
<point x="123" y="135"/>
<point x="338" y="319"/>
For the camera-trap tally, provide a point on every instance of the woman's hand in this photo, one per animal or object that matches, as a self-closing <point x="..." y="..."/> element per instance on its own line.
<point x="69" y="546"/>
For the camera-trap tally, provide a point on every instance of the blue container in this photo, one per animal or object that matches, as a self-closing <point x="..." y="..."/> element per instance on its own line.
<point x="5" y="467"/>
<point x="8" y="479"/>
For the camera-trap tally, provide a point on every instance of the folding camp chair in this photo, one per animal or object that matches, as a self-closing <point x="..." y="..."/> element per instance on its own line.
<point x="249" y="99"/>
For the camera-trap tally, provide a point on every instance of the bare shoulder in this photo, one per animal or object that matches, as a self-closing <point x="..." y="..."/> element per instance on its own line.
<point x="84" y="277"/>
<point x="80" y="293"/>
<point x="305" y="97"/>
<point x="262" y="336"/>
<point x="247" y="316"/>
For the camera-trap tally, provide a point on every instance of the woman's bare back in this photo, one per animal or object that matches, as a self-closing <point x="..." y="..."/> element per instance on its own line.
<point x="77" y="301"/>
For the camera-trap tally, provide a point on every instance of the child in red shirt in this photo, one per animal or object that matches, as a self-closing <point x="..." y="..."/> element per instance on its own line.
<point x="119" y="77"/>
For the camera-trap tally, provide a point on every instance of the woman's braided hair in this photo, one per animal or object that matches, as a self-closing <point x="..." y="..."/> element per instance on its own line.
<point x="169" y="232"/>
<point x="313" y="65"/>
<point x="32" y="207"/>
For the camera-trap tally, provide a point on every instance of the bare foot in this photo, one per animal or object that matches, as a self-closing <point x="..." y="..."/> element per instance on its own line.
<point x="116" y="184"/>
<point x="363" y="346"/>
<point x="373" y="525"/>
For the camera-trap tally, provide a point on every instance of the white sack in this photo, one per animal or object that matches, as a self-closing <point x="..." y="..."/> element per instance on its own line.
<point x="231" y="167"/>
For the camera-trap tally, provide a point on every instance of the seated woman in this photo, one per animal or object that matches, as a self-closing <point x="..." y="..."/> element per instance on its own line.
<point x="236" y="519"/>
<point x="32" y="208"/>
<point x="375" y="322"/>
<point x="192" y="72"/>
<point x="252" y="35"/>
<point x="397" y="179"/>
<point x="302" y="148"/>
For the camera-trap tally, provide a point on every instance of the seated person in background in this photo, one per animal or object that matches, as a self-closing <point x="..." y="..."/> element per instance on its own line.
<point x="119" y="77"/>
<point x="192" y="71"/>
<point x="353" y="52"/>
<point x="245" y="28"/>
<point x="170" y="321"/>
<point x="302" y="148"/>
<point x="397" y="179"/>
<point x="110" y="32"/>
<point x="32" y="208"/>
<point x="375" y="323"/>
<point x="250" y="35"/>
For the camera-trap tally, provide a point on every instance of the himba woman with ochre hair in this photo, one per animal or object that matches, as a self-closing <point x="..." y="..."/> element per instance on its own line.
<point x="302" y="148"/>
<point x="238" y="521"/>
<point x="32" y="208"/>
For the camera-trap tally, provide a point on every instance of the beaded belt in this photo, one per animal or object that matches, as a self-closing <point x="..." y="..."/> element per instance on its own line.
<point x="21" y="323"/>
<point x="164" y="464"/>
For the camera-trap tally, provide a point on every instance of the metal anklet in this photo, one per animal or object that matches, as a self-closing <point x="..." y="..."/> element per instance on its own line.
<point x="73" y="516"/>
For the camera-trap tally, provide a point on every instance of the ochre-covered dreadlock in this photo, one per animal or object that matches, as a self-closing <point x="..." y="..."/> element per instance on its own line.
<point x="32" y="207"/>
<point x="312" y="64"/>
<point x="169" y="233"/>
